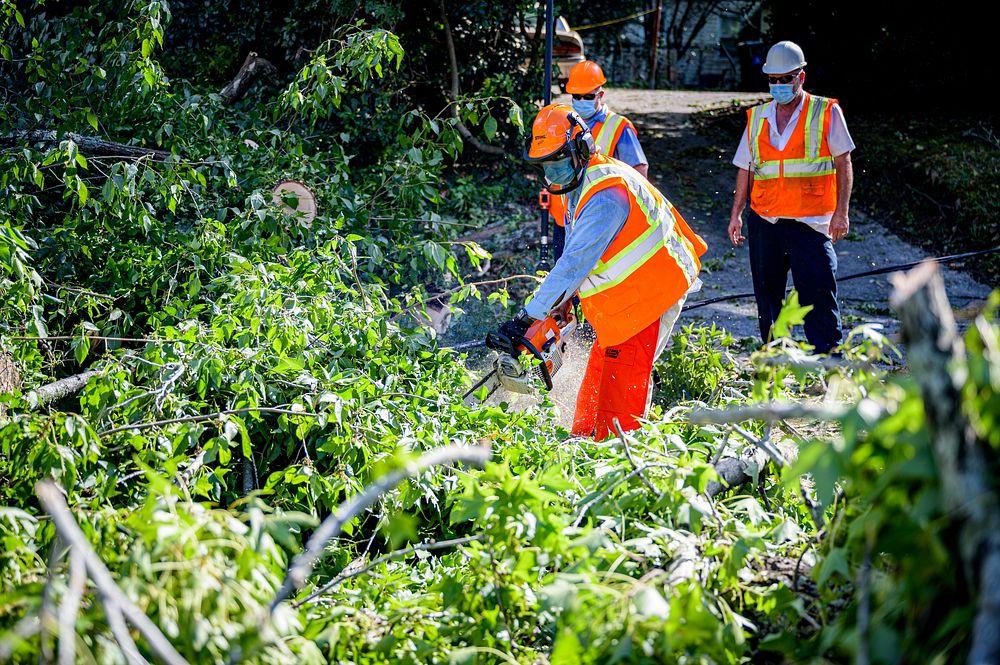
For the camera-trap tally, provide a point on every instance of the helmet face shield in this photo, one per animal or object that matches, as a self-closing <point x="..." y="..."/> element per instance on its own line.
<point x="561" y="172"/>
<point x="559" y="146"/>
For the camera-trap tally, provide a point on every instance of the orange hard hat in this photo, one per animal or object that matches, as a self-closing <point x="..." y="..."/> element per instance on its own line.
<point x="552" y="131"/>
<point x="584" y="77"/>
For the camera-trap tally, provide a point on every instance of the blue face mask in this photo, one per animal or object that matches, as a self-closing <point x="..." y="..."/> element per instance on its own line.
<point x="586" y="108"/>
<point x="559" y="172"/>
<point x="782" y="92"/>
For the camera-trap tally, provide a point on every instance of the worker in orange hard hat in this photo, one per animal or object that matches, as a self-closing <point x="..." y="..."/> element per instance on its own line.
<point x="613" y="133"/>
<point x="630" y="257"/>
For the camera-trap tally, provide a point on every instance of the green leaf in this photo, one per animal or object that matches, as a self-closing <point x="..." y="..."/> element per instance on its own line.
<point x="92" y="119"/>
<point x="81" y="347"/>
<point x="490" y="127"/>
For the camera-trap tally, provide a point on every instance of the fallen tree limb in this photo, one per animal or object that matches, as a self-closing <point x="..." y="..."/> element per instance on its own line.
<point x="303" y="564"/>
<point x="207" y="416"/>
<point x="116" y="603"/>
<point x="253" y="67"/>
<point x="55" y="391"/>
<point x="423" y="547"/>
<point x="936" y="355"/>
<point x="89" y="145"/>
<point x="772" y="412"/>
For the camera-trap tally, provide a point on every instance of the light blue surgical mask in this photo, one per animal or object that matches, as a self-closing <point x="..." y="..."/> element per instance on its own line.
<point x="585" y="107"/>
<point x="782" y="92"/>
<point x="559" y="172"/>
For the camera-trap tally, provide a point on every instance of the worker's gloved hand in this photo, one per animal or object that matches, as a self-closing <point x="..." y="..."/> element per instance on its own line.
<point x="516" y="327"/>
<point x="509" y="333"/>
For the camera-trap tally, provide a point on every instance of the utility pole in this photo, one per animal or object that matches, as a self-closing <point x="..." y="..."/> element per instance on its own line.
<point x="656" y="42"/>
<point x="543" y="247"/>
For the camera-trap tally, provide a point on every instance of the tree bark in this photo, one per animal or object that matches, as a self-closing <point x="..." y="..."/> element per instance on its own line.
<point x="253" y="68"/>
<point x="936" y="356"/>
<point x="55" y="391"/>
<point x="88" y="145"/>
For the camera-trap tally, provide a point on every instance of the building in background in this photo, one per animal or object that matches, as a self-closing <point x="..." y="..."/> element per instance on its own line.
<point x="706" y="44"/>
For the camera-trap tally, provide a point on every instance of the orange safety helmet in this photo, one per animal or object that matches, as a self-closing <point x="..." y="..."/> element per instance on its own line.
<point x="557" y="133"/>
<point x="584" y="77"/>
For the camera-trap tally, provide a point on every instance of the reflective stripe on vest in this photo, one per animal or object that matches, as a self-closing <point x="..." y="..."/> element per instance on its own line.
<point x="607" y="133"/>
<point x="812" y="164"/>
<point x="661" y="233"/>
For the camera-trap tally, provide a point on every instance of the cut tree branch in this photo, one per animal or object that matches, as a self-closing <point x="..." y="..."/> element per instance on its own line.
<point x="965" y="464"/>
<point x="89" y="145"/>
<point x="116" y="603"/>
<point x="772" y="412"/>
<point x="423" y="547"/>
<point x="55" y="391"/>
<point x="303" y="564"/>
<point x="253" y="67"/>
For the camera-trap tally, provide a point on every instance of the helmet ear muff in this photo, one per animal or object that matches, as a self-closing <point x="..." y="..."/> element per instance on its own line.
<point x="582" y="144"/>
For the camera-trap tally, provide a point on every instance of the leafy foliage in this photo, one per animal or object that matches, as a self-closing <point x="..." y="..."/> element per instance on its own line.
<point x="255" y="369"/>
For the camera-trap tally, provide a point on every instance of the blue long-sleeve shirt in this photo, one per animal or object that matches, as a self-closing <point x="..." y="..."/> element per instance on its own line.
<point x="627" y="149"/>
<point x="586" y="240"/>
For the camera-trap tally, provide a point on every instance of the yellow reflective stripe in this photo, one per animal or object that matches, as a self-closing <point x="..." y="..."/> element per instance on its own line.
<point x="676" y="245"/>
<point x="756" y="125"/>
<point x="800" y="168"/>
<point x="682" y="251"/>
<point x="602" y="281"/>
<point x="609" y="128"/>
<point x="814" y="125"/>
<point x="660" y="217"/>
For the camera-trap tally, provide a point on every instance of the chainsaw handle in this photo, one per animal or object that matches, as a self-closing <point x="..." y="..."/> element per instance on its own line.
<point x="504" y="344"/>
<point x="544" y="369"/>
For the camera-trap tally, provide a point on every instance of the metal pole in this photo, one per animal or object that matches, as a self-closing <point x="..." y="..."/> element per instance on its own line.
<point x="543" y="247"/>
<point x="656" y="42"/>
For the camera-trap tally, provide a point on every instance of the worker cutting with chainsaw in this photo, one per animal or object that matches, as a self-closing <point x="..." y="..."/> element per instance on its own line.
<point x="629" y="255"/>
<point x="613" y="133"/>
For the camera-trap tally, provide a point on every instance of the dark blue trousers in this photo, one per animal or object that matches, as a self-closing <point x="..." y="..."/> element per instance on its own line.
<point x="789" y="244"/>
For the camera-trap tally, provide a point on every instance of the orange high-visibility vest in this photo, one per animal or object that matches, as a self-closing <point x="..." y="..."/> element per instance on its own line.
<point x="606" y="135"/>
<point x="799" y="181"/>
<point x="649" y="265"/>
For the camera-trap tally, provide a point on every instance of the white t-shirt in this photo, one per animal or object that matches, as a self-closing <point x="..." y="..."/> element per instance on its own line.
<point x="839" y="141"/>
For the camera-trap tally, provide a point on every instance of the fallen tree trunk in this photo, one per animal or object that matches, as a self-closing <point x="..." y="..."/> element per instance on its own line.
<point x="936" y="356"/>
<point x="253" y="68"/>
<point x="89" y="145"/>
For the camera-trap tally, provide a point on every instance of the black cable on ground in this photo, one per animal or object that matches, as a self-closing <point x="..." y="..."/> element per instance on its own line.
<point x="867" y="273"/>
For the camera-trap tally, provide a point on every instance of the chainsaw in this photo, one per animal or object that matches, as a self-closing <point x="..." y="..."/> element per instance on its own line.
<point x="545" y="340"/>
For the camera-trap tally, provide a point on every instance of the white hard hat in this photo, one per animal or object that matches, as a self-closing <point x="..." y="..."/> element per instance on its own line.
<point x="784" y="57"/>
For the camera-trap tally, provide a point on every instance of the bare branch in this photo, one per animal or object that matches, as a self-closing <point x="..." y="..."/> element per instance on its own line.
<point x="252" y="68"/>
<point x="70" y="608"/>
<point x="303" y="564"/>
<point x="90" y="145"/>
<point x="936" y="354"/>
<point x="631" y="460"/>
<point x="55" y="391"/>
<point x="346" y="575"/>
<point x="112" y="597"/>
<point x="119" y="630"/>
<point x="207" y="416"/>
<point x="768" y="412"/>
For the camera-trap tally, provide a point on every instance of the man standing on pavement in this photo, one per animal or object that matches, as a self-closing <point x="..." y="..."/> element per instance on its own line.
<point x="614" y="134"/>
<point x="794" y="162"/>
<point x="629" y="255"/>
